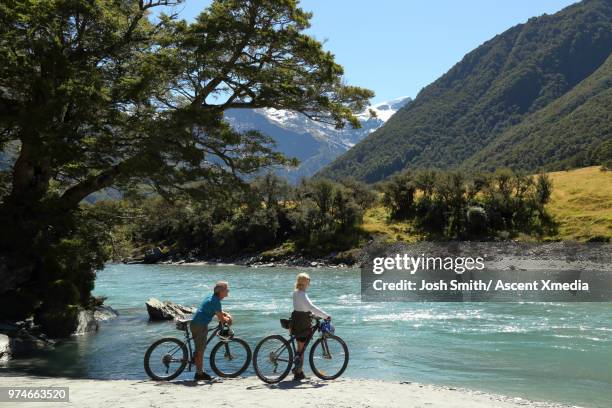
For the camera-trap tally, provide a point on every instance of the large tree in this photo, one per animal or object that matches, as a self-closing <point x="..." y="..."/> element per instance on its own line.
<point x="119" y="93"/>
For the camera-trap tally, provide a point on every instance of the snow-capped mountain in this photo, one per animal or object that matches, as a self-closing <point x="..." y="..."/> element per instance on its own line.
<point x="314" y="144"/>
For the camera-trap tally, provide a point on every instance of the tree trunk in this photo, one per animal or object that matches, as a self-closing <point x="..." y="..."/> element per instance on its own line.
<point x="31" y="175"/>
<point x="21" y="214"/>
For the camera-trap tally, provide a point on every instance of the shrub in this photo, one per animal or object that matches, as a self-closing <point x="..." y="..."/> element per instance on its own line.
<point x="453" y="205"/>
<point x="398" y="197"/>
<point x="476" y="222"/>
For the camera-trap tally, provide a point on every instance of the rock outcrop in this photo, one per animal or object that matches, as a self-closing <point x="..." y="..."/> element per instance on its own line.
<point x="24" y="339"/>
<point x="5" y="348"/>
<point x="23" y="343"/>
<point x="167" y="310"/>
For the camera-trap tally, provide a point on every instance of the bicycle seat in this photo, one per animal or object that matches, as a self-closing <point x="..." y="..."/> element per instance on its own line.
<point x="285" y="323"/>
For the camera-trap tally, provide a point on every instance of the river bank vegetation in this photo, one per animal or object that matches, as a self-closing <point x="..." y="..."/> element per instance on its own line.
<point x="318" y="218"/>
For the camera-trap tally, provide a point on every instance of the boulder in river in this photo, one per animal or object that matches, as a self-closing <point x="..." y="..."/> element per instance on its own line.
<point x="104" y="312"/>
<point x="24" y="339"/>
<point x="23" y="343"/>
<point x="153" y="255"/>
<point x="86" y="322"/>
<point x="167" y="310"/>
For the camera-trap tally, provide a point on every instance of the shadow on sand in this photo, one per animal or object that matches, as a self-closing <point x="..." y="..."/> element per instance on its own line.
<point x="285" y="385"/>
<point x="289" y="385"/>
<point x="189" y="383"/>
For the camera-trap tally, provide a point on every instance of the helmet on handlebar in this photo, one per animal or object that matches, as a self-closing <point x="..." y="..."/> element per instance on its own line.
<point x="225" y="333"/>
<point x="326" y="327"/>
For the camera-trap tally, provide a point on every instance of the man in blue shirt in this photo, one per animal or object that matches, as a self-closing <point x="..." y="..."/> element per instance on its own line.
<point x="210" y="307"/>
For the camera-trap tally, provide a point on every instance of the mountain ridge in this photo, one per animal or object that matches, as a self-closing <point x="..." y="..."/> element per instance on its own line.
<point x="493" y="88"/>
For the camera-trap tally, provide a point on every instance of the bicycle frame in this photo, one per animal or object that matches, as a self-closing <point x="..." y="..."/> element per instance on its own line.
<point x="189" y="340"/>
<point x="293" y="339"/>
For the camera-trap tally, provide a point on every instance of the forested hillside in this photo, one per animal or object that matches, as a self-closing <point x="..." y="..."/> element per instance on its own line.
<point x="572" y="131"/>
<point x="534" y="97"/>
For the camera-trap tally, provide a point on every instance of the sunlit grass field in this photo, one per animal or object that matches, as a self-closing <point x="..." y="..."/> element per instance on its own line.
<point x="581" y="202"/>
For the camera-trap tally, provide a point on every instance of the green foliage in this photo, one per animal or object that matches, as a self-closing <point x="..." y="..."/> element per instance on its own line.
<point x="572" y="131"/>
<point x="58" y="321"/>
<point x="362" y="194"/>
<point x="61" y="292"/>
<point x="604" y="155"/>
<point x="399" y="196"/>
<point x="318" y="216"/>
<point x="451" y="205"/>
<point x="97" y="94"/>
<point x="56" y="268"/>
<point x="536" y="97"/>
<point x="543" y="189"/>
<point x="326" y="217"/>
<point x="19" y="304"/>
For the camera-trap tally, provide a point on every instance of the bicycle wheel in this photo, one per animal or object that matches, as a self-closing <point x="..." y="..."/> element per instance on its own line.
<point x="165" y="359"/>
<point x="273" y="359"/>
<point x="329" y="357"/>
<point x="231" y="358"/>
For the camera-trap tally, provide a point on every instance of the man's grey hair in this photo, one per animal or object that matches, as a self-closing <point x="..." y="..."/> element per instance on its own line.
<point x="220" y="285"/>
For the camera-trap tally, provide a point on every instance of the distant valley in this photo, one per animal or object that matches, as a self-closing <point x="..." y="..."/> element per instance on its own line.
<point x="314" y="144"/>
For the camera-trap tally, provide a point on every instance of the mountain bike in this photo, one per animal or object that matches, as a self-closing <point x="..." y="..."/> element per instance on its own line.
<point x="274" y="355"/>
<point x="166" y="358"/>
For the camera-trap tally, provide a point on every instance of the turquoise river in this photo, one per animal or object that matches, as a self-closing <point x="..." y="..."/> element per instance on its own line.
<point x="543" y="351"/>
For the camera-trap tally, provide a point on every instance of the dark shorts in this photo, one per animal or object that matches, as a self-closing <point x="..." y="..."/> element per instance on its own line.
<point x="199" y="333"/>
<point x="301" y="322"/>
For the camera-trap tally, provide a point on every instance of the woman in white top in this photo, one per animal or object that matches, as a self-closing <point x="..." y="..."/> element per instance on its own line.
<point x="301" y="320"/>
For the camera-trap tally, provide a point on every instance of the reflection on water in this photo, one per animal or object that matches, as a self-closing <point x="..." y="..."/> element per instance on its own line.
<point x="549" y="351"/>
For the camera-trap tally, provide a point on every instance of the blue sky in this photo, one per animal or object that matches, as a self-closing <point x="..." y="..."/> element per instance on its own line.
<point x="396" y="47"/>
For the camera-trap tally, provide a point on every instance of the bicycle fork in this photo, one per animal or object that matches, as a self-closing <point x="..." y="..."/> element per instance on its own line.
<point x="228" y="353"/>
<point x="325" y="349"/>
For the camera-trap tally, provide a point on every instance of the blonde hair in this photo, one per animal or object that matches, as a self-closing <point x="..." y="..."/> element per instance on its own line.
<point x="302" y="281"/>
<point x="220" y="285"/>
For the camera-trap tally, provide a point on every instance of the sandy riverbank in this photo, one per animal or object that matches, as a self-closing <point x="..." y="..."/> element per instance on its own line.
<point x="250" y="392"/>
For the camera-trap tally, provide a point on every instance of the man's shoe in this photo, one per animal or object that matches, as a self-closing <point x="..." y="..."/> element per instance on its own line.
<point x="202" y="377"/>
<point x="299" y="376"/>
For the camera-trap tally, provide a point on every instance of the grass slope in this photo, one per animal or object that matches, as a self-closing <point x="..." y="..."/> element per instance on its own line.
<point x="582" y="202"/>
